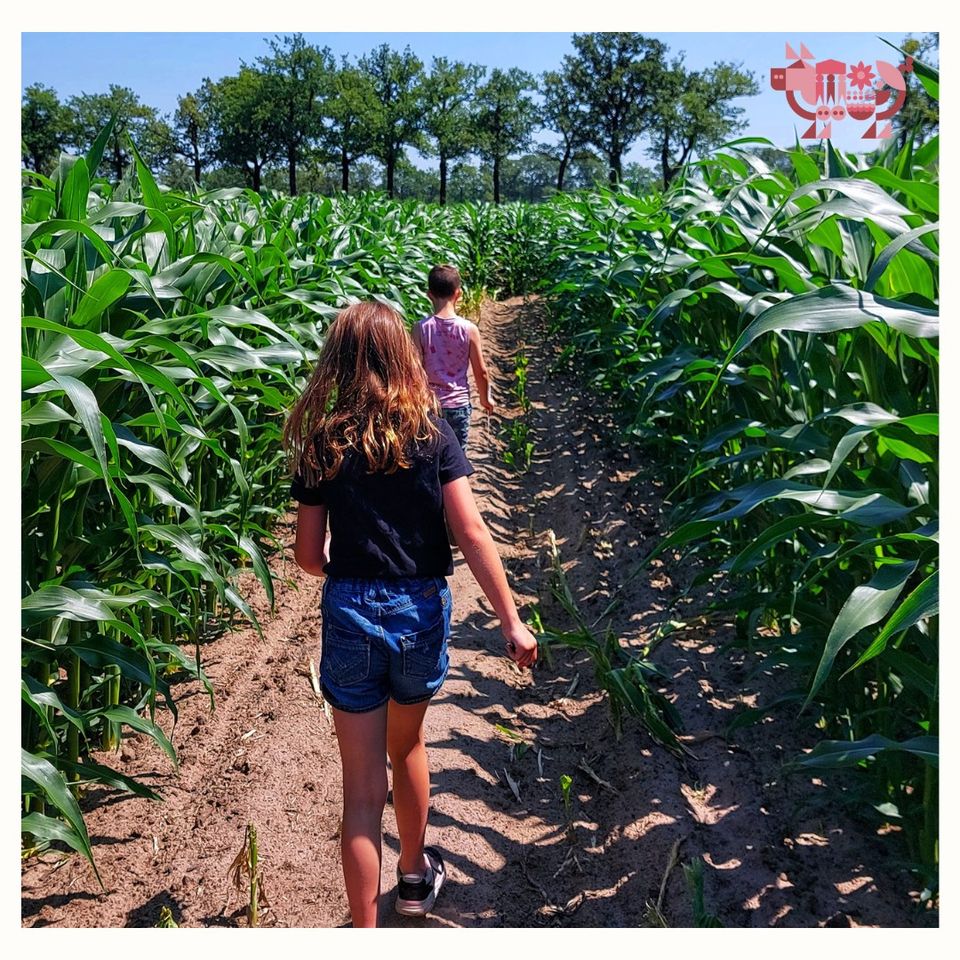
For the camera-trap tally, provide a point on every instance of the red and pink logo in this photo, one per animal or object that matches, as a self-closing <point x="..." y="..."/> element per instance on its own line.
<point x="830" y="91"/>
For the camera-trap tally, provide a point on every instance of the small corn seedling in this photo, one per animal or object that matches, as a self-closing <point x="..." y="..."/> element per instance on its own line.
<point x="166" y="918"/>
<point x="246" y="875"/>
<point x="566" y="782"/>
<point x="628" y="679"/>
<point x="693" y="874"/>
<point x="520" y="377"/>
<point x="520" y="451"/>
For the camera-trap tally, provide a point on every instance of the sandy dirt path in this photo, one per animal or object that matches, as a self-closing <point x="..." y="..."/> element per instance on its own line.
<point x="775" y="850"/>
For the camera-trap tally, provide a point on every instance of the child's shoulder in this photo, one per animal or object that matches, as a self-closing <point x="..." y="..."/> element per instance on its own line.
<point x="468" y="323"/>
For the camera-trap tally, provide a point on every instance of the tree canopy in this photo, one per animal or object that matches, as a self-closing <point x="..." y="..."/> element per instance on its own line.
<point x="297" y="116"/>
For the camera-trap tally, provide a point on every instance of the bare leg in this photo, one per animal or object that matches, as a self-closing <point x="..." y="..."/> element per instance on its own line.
<point x="411" y="780"/>
<point x="361" y="737"/>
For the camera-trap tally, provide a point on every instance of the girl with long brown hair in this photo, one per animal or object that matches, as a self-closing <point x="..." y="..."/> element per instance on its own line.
<point x="373" y="460"/>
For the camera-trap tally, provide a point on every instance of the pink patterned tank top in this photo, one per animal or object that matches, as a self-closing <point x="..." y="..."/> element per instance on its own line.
<point x="446" y="354"/>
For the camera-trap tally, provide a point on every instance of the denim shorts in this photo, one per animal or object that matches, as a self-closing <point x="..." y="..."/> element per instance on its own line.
<point x="383" y="640"/>
<point x="459" y="420"/>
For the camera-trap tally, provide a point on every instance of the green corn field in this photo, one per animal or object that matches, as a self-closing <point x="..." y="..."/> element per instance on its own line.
<point x="769" y="338"/>
<point x="774" y="339"/>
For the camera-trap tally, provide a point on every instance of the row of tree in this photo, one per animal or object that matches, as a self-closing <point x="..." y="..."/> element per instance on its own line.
<point x="300" y="110"/>
<point x="297" y="105"/>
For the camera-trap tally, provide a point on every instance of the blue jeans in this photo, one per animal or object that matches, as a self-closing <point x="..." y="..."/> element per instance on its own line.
<point x="382" y="640"/>
<point x="459" y="420"/>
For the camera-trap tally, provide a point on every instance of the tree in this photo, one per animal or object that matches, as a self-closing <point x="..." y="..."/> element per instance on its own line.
<point x="247" y="128"/>
<point x="587" y="172"/>
<point x="157" y="143"/>
<point x="446" y="93"/>
<point x="468" y="184"/>
<point x="193" y="129"/>
<point x="178" y="175"/>
<point x="44" y="128"/>
<point x="562" y="113"/>
<point x="692" y="111"/>
<point x="351" y="106"/>
<point x="530" y="177"/>
<point x="92" y="112"/>
<point x="920" y="113"/>
<point x="398" y="120"/>
<point x="411" y="182"/>
<point x="504" y="118"/>
<point x="297" y="76"/>
<point x="640" y="179"/>
<point x="615" y="77"/>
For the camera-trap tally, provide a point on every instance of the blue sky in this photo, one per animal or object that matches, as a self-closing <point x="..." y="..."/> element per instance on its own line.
<point x="161" y="66"/>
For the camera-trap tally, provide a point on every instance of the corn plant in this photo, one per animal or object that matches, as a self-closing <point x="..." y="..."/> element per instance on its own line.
<point x="164" y="336"/>
<point x="773" y="340"/>
<point x="628" y="679"/>
<point x="566" y="782"/>
<point x="247" y="877"/>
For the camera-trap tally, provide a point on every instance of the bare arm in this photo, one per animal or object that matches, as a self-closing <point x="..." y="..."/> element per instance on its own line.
<point x="311" y="547"/>
<point x="480" y="372"/>
<point x="479" y="551"/>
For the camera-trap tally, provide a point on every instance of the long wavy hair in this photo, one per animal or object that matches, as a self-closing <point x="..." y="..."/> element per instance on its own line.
<point x="368" y="393"/>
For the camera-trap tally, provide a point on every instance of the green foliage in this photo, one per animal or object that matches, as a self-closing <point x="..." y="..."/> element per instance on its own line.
<point x="163" y="338"/>
<point x="694" y="112"/>
<point x="92" y="112"/>
<point x="248" y="125"/>
<point x="505" y="117"/>
<point x="397" y="121"/>
<point x="565" y="115"/>
<point x="447" y="93"/>
<point x="628" y="679"/>
<point x="44" y="128"/>
<point x="770" y="334"/>
<point x="351" y="102"/>
<point x="920" y="115"/>
<point x="614" y="77"/>
<point x="298" y="77"/>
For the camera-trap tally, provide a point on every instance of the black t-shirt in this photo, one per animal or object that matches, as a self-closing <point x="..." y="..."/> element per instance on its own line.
<point x="388" y="525"/>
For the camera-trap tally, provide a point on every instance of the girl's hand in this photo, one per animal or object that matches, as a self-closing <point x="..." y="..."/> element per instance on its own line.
<point x="521" y="645"/>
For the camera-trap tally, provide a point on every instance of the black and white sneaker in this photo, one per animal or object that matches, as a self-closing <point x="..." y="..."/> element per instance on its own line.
<point x="417" y="894"/>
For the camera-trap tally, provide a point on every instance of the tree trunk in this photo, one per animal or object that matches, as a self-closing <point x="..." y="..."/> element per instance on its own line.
<point x="564" y="161"/>
<point x="616" y="166"/>
<point x="391" y="163"/>
<point x="496" y="179"/>
<point x="292" y="170"/>
<point x="443" y="179"/>
<point x="194" y="138"/>
<point x="256" y="177"/>
<point x="117" y="164"/>
<point x="665" y="170"/>
<point x="344" y="170"/>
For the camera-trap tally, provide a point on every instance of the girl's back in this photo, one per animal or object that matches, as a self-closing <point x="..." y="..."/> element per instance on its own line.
<point x="386" y="525"/>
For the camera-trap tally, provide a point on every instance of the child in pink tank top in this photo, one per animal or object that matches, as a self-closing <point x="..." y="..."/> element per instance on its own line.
<point x="448" y="345"/>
